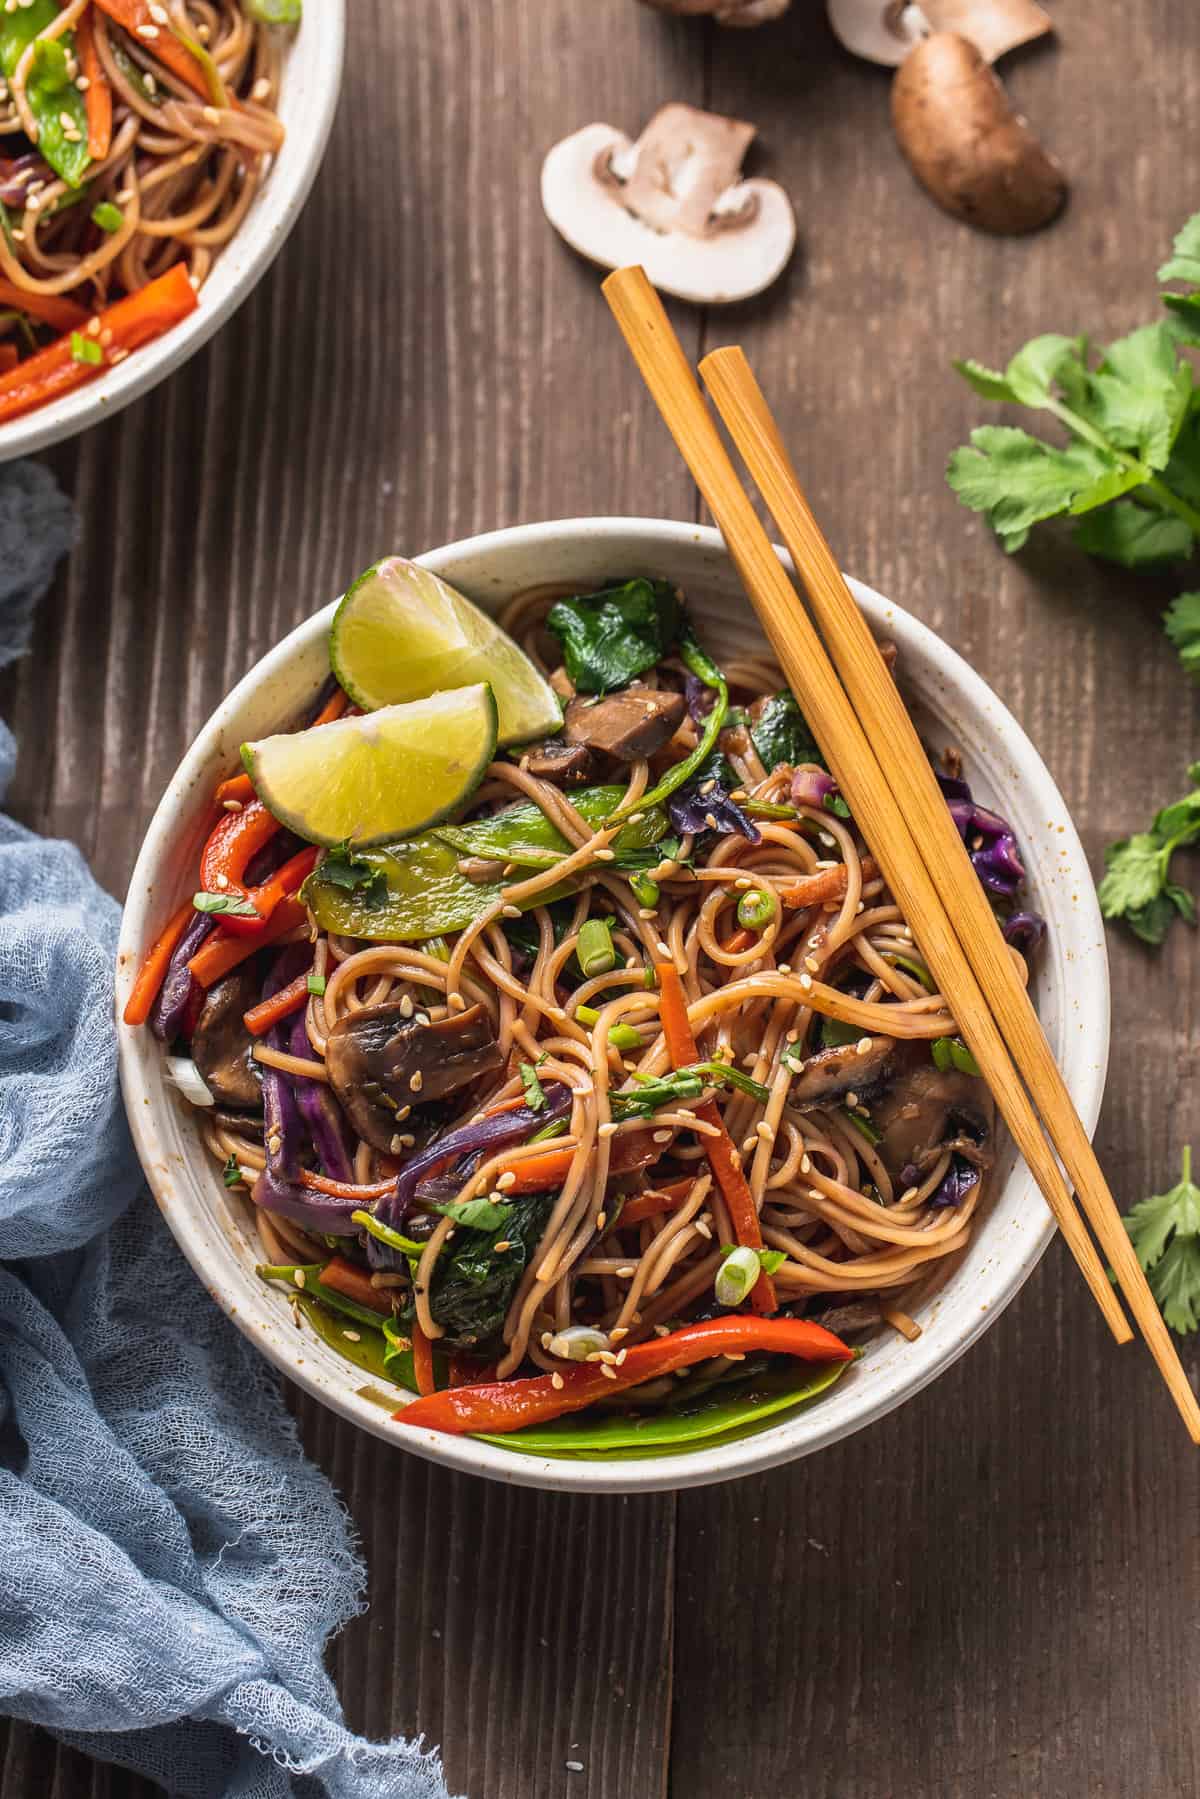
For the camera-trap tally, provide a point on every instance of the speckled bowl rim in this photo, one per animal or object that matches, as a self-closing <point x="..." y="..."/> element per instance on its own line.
<point x="312" y="76"/>
<point x="1017" y="1228"/>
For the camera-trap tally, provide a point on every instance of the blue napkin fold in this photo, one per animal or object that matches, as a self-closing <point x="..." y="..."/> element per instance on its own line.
<point x="171" y="1566"/>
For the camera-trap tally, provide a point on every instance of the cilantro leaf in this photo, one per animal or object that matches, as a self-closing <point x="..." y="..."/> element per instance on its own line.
<point x="1138" y="397"/>
<point x="342" y="868"/>
<point x="1017" y="480"/>
<point x="1137" y="885"/>
<point x="231" y="904"/>
<point x="476" y="1214"/>
<point x="1181" y="621"/>
<point x="1135" y="536"/>
<point x="1183" y="264"/>
<point x="1165" y="1232"/>
<point x="535" y="1097"/>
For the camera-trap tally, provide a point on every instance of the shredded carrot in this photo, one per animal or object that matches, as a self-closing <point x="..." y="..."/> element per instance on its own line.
<point x="137" y="18"/>
<point x="322" y="1183"/>
<point x="131" y="322"/>
<point x="154" y="969"/>
<point x="740" y="940"/>
<point x="98" y="94"/>
<point x="539" y="1173"/>
<point x="827" y="884"/>
<point x="422" y="1355"/>
<point x="344" y="1278"/>
<point x="47" y="309"/>
<point x="223" y="951"/>
<point x="722" y="1156"/>
<point x="237" y="787"/>
<point x="259" y="1019"/>
<point x="333" y="708"/>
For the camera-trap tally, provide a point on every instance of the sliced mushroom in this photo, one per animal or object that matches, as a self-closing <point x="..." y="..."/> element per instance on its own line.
<point x="884" y="31"/>
<point x="832" y="1073"/>
<point x="674" y="202"/>
<point x="925" y="1111"/>
<point x="966" y="144"/>
<point x="725" y="12"/>
<point x="565" y="763"/>
<point x="629" y="725"/>
<point x="382" y="1059"/>
<point x="222" y="1047"/>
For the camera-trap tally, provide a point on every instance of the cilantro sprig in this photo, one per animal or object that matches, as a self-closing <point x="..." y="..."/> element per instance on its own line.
<point x="1165" y="1232"/>
<point x="1137" y="885"/>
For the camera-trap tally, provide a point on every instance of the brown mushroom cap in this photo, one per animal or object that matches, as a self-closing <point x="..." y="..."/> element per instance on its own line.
<point x="965" y="143"/>
<point x="383" y="1059"/>
<point x="222" y="1047"/>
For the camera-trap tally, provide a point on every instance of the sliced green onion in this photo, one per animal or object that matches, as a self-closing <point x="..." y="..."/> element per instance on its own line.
<point x="595" y="952"/>
<point x="757" y="908"/>
<point x="437" y="947"/>
<point x="863" y="1126"/>
<point x="736" y="1277"/>
<point x="736" y="1077"/>
<point x="911" y="966"/>
<point x="109" y="217"/>
<point x="557" y="1129"/>
<point x="316" y="984"/>
<point x="939" y="1049"/>
<point x="764" y="809"/>
<point x="962" y="1058"/>
<point x="621" y="1036"/>
<point x="386" y="1234"/>
<point x="85" y="349"/>
<point x="578" y="1342"/>
<point x="645" y="891"/>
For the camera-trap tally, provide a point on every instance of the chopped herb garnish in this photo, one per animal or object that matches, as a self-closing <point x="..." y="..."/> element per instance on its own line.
<point x="476" y="1214"/>
<point x="85" y="349"/>
<point x="342" y="868"/>
<point x="231" y="1174"/>
<point x="109" y="217"/>
<point x="316" y="984"/>
<point x="234" y="905"/>
<point x="535" y="1097"/>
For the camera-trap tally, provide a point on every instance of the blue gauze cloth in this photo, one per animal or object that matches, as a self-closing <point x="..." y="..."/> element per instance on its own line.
<point x="170" y="1564"/>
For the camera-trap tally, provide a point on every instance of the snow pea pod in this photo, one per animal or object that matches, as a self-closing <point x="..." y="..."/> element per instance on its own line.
<point x="57" y="105"/>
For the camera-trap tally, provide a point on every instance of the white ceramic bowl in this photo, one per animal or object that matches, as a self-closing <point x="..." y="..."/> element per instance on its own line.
<point x="312" y="75"/>
<point x="214" y="1228"/>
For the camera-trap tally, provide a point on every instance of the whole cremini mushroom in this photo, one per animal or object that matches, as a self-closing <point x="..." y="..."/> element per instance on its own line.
<point x="674" y="201"/>
<point x="966" y="143"/>
<point x="726" y="12"/>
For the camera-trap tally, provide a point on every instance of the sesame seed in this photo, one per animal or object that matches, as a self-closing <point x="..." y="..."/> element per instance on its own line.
<point x="806" y="1164"/>
<point x="647" y="911"/>
<point x="147" y="30"/>
<point x="661" y="1330"/>
<point x="812" y="965"/>
<point x="662" y="949"/>
<point x="785" y="968"/>
<point x="151" y="85"/>
<point x="706" y="787"/>
<point x="232" y="805"/>
<point x="606" y="855"/>
<point x="93" y="326"/>
<point x="609" y="1373"/>
<point x="743" y="884"/>
<point x="510" y="911"/>
<point x="158" y="13"/>
<point x="607" y="1130"/>
<point x="556" y="1381"/>
<point x="117" y="355"/>
<point x="601" y="1220"/>
<point x="353" y="1336"/>
<point x="396" y="1145"/>
<point x="222" y="882"/>
<point x="710" y="821"/>
<point x="863" y="1047"/>
<point x="615" y="1335"/>
<point x="909" y="1193"/>
<point x="416" y="1081"/>
<point x="403" y="1113"/>
<point x="764" y="1131"/>
<point x="621" y="1354"/>
<point x="547" y="1339"/>
<point x="635" y="818"/>
<point x="792" y="1037"/>
<point x="852" y="1100"/>
<point x="66" y="121"/>
<point x="660" y="1136"/>
<point x="499" y="1248"/>
<point x="299" y="1277"/>
<point x="806" y="982"/>
<point x="861" y="906"/>
<point x="626" y="1271"/>
<point x="703" y="1228"/>
<point x="456" y="1002"/>
<point x="406" y="1007"/>
<point x="507" y="1179"/>
<point x="815" y="1193"/>
<point x="261" y="89"/>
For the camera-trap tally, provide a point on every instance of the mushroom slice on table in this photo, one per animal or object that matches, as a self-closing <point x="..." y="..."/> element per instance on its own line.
<point x="674" y="201"/>
<point x="967" y="145"/>
<point x="384" y="1061"/>
<point x="884" y="31"/>
<point x="725" y="12"/>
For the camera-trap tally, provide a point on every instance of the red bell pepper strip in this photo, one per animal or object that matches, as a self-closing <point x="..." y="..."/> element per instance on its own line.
<point x="267" y="897"/>
<point x="47" y="309"/>
<point x="827" y="884"/>
<point x="153" y="971"/>
<point x="422" y="1355"/>
<point x="232" y="843"/>
<point x="137" y="18"/>
<point x="655" y="1201"/>
<point x="508" y="1405"/>
<point x="132" y="322"/>
<point x="722" y="1156"/>
<point x="344" y="1278"/>
<point x="221" y="952"/>
<point x="98" y="95"/>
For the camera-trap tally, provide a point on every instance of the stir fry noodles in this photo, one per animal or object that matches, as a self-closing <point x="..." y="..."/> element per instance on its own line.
<point x="618" y="1087"/>
<point x="133" y="138"/>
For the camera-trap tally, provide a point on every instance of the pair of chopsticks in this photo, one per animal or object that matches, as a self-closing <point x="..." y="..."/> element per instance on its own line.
<point x="876" y="757"/>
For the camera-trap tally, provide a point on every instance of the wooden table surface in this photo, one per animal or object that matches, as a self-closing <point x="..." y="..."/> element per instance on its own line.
<point x="993" y="1593"/>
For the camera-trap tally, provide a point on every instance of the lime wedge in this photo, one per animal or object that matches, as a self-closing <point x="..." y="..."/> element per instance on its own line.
<point x="382" y="776"/>
<point x="401" y="633"/>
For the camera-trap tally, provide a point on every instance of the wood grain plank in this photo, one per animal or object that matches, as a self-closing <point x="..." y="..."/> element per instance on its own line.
<point x="968" y="1599"/>
<point x="411" y="371"/>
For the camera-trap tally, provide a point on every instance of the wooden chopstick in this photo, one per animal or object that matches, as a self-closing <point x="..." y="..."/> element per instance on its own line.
<point x="659" y="355"/>
<point x="916" y="794"/>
